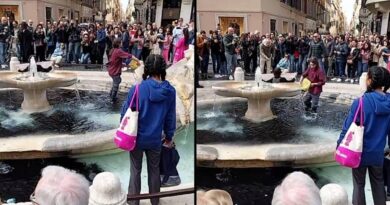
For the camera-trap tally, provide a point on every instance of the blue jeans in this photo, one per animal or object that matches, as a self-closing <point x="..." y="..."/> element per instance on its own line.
<point x="362" y="67"/>
<point x="136" y="52"/>
<point x="205" y="64"/>
<point x="73" y="52"/>
<point x="84" y="58"/>
<point x="231" y="61"/>
<point x="216" y="60"/>
<point x="302" y="63"/>
<point x="116" y="80"/>
<point x="340" y="66"/>
<point x="311" y="101"/>
<point x="292" y="63"/>
<point x="223" y="68"/>
<point x="2" y="53"/>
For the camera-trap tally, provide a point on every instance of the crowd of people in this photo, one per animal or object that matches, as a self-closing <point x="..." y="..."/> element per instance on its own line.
<point x="87" y="43"/>
<point x="343" y="58"/>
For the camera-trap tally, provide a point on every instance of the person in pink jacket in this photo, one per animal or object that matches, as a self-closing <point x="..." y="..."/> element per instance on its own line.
<point x="181" y="46"/>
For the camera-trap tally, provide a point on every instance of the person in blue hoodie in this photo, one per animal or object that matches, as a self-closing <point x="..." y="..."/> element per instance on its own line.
<point x="376" y="109"/>
<point x="157" y="115"/>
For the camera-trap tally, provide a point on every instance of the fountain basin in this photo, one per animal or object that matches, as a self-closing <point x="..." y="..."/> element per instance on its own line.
<point x="225" y="140"/>
<point x="259" y="98"/>
<point x="34" y="90"/>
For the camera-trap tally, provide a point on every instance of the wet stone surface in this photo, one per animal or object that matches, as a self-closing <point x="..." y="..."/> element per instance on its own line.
<point x="225" y="123"/>
<point x="94" y="111"/>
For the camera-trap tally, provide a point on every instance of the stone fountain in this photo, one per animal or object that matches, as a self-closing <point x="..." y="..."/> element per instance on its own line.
<point x="34" y="85"/>
<point x="259" y="95"/>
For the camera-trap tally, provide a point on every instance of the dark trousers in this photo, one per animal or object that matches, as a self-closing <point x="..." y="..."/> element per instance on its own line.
<point x="145" y="53"/>
<point x="351" y="68"/>
<point x="341" y="68"/>
<point x="204" y="64"/>
<point x="247" y="65"/>
<point x="311" y="101"/>
<point x="50" y="50"/>
<point x="40" y="53"/>
<point x="153" y="163"/>
<point x="101" y="54"/>
<point x="216" y="58"/>
<point x="253" y="59"/>
<point x="116" y="80"/>
<point x="377" y="185"/>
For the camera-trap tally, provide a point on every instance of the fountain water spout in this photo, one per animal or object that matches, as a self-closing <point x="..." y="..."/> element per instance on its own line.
<point x="258" y="77"/>
<point x="33" y="69"/>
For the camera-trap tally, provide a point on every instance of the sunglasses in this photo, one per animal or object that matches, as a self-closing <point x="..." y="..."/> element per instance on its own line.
<point x="33" y="199"/>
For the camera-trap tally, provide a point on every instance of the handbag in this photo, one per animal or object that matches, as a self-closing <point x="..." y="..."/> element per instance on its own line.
<point x="349" y="152"/>
<point x="169" y="160"/>
<point x="126" y="134"/>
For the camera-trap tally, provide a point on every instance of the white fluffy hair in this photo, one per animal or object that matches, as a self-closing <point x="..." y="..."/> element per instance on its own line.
<point x="333" y="194"/>
<point x="60" y="186"/>
<point x="213" y="197"/>
<point x="297" y="189"/>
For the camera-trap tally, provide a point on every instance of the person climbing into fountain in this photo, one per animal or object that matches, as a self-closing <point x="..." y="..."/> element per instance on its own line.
<point x="277" y="77"/>
<point x="376" y="120"/>
<point x="117" y="56"/>
<point x="157" y="115"/>
<point x="317" y="79"/>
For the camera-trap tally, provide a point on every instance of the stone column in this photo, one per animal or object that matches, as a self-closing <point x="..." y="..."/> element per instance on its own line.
<point x="385" y="22"/>
<point x="185" y="11"/>
<point x="159" y="10"/>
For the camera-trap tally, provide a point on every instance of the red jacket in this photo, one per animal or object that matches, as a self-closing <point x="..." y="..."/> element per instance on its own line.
<point x="115" y="62"/>
<point x="315" y="75"/>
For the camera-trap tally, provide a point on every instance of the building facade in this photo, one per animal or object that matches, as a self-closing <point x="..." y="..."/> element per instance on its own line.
<point x="280" y="16"/>
<point x="380" y="20"/>
<point x="163" y="12"/>
<point x="50" y="10"/>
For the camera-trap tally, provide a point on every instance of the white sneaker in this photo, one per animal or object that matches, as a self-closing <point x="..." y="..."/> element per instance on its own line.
<point x="339" y="80"/>
<point x="356" y="80"/>
<point x="347" y="79"/>
<point x="230" y="77"/>
<point x="352" y="81"/>
<point x="333" y="79"/>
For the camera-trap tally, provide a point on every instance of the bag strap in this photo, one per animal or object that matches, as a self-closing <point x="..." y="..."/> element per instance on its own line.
<point x="136" y="97"/>
<point x="359" y="110"/>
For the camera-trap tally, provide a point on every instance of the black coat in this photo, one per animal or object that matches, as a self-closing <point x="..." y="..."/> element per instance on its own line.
<point x="26" y="44"/>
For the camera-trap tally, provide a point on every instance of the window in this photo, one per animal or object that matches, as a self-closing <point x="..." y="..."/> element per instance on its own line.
<point x="272" y="25"/>
<point x="172" y="4"/>
<point x="60" y="12"/>
<point x="48" y="14"/>
<point x="285" y="27"/>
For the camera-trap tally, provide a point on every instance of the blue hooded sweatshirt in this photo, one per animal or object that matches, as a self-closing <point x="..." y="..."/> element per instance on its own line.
<point x="157" y="112"/>
<point x="376" y="121"/>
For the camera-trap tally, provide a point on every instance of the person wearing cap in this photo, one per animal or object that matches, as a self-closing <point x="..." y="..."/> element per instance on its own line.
<point x="106" y="189"/>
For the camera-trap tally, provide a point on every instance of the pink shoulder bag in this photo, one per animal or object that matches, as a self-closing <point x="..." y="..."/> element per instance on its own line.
<point x="349" y="152"/>
<point x="126" y="135"/>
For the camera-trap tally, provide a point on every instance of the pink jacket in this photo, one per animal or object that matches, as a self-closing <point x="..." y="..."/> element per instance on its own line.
<point x="180" y="48"/>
